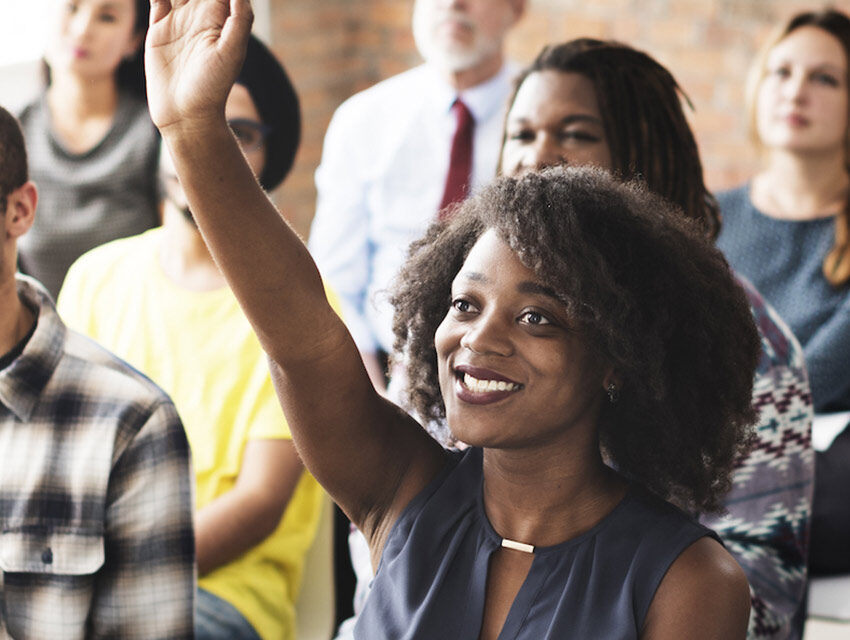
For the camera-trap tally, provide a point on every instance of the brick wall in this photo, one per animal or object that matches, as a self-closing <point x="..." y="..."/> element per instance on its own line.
<point x="334" y="48"/>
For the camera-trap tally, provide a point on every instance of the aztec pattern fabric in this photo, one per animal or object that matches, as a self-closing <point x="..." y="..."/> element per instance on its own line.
<point x="766" y="526"/>
<point x="95" y="493"/>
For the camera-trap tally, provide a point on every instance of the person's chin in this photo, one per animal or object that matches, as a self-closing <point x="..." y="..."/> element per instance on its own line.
<point x="456" y="59"/>
<point x="450" y="55"/>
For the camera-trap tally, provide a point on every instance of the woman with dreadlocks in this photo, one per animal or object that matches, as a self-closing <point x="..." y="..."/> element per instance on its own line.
<point x="788" y="231"/>
<point x="591" y="102"/>
<point x="559" y="320"/>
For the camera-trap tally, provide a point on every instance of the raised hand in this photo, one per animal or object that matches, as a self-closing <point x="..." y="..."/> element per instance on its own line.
<point x="193" y="53"/>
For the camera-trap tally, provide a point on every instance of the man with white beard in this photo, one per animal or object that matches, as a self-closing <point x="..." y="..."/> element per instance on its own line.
<point x="405" y="149"/>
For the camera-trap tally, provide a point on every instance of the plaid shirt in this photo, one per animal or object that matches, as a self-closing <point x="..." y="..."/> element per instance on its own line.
<point x="96" y="499"/>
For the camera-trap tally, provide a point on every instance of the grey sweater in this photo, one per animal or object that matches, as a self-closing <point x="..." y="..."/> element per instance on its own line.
<point x="90" y="198"/>
<point x="783" y="259"/>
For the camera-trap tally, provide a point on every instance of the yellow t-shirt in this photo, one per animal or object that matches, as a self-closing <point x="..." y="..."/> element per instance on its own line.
<point x="200" y="348"/>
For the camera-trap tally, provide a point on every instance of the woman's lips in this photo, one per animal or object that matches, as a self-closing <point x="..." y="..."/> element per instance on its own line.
<point x="795" y="120"/>
<point x="482" y="386"/>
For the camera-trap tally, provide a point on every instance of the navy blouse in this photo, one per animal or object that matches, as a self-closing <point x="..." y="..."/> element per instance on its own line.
<point x="433" y="572"/>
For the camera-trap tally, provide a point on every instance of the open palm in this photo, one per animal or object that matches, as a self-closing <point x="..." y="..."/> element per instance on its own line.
<point x="193" y="53"/>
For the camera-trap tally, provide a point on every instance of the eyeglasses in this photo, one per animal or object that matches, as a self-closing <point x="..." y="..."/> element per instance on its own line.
<point x="249" y="134"/>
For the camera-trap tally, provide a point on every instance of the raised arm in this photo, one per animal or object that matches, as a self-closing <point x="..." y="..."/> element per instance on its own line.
<point x="367" y="453"/>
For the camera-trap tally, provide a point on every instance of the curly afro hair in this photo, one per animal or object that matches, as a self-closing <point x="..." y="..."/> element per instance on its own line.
<point x="653" y="297"/>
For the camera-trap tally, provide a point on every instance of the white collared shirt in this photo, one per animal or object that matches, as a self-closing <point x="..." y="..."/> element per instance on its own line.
<point x="381" y="179"/>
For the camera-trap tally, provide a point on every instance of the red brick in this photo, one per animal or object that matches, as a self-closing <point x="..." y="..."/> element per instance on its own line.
<point x="333" y="48"/>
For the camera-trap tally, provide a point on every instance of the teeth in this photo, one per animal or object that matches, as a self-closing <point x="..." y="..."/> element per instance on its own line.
<point x="483" y="386"/>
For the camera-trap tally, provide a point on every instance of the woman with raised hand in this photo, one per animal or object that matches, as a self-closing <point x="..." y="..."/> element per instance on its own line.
<point x="604" y="103"/>
<point x="559" y="320"/>
<point x="788" y="231"/>
<point x="92" y="147"/>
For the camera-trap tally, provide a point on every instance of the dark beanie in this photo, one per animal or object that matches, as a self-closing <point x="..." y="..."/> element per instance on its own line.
<point x="274" y="96"/>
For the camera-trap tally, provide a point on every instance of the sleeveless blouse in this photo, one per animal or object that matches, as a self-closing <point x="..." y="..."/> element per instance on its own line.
<point x="433" y="572"/>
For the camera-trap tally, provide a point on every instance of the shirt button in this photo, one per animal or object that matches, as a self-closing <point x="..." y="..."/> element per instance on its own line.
<point x="47" y="556"/>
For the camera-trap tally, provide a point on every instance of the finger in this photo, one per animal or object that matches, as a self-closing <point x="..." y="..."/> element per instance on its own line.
<point x="159" y="9"/>
<point x="237" y="27"/>
<point x="242" y="9"/>
<point x="241" y="17"/>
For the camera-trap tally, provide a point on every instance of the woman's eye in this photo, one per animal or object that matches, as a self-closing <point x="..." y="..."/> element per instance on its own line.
<point x="781" y="72"/>
<point x="462" y="306"/>
<point x="107" y="17"/>
<point x="534" y="318"/>
<point x="827" y="79"/>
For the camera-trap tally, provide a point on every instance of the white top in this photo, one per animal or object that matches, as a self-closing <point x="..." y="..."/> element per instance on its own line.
<point x="383" y="170"/>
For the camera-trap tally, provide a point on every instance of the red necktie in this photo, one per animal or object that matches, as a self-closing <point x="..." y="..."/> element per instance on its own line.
<point x="460" y="162"/>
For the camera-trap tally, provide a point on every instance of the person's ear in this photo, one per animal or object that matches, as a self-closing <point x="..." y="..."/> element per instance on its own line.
<point x="20" y="209"/>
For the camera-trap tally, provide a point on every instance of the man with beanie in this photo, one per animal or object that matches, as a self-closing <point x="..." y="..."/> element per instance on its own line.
<point x="160" y="302"/>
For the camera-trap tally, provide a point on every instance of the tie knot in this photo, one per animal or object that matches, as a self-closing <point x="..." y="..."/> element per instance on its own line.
<point x="463" y="116"/>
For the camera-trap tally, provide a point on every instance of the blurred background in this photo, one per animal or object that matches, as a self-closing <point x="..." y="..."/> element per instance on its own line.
<point x="334" y="48"/>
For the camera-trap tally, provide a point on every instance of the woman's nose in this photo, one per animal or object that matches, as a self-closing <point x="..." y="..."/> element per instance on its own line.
<point x="488" y="335"/>
<point x="794" y="87"/>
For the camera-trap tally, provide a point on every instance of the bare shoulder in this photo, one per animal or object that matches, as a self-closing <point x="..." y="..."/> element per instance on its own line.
<point x="704" y="596"/>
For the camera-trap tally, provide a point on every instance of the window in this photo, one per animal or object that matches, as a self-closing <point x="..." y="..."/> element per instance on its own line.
<point x="22" y="39"/>
<point x="22" y="31"/>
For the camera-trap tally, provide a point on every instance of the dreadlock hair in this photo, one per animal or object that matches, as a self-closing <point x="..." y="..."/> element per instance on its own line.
<point x="647" y="290"/>
<point x="836" y="264"/>
<point x="13" y="157"/>
<point x="640" y="103"/>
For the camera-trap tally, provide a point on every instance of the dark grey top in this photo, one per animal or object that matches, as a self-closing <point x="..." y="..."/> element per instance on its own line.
<point x="431" y="580"/>
<point x="90" y="198"/>
<point x="783" y="259"/>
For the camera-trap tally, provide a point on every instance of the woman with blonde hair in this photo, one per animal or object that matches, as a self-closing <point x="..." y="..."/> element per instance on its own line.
<point x="788" y="231"/>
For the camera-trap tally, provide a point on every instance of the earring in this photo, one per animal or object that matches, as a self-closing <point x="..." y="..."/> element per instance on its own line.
<point x="613" y="393"/>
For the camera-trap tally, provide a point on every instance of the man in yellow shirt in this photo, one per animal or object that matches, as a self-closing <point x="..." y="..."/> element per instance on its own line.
<point x="159" y="301"/>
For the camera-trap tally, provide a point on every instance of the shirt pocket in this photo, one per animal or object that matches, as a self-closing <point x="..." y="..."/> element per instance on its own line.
<point x="48" y="581"/>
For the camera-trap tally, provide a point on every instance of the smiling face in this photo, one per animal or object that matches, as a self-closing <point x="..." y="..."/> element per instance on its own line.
<point x="513" y="371"/>
<point x="92" y="37"/>
<point x="802" y="101"/>
<point x="554" y="120"/>
<point x="457" y="35"/>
